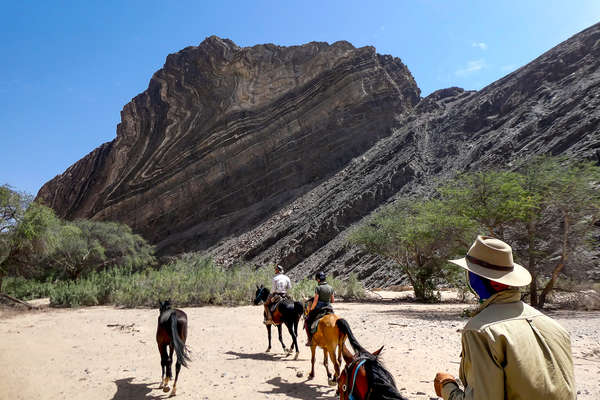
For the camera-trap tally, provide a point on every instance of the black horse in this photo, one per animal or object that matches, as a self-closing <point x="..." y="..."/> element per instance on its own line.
<point x="287" y="313"/>
<point x="364" y="377"/>
<point x="172" y="332"/>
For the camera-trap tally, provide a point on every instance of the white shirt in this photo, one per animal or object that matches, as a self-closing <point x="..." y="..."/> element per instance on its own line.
<point x="281" y="283"/>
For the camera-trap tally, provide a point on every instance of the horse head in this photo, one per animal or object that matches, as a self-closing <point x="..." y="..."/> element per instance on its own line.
<point x="355" y="383"/>
<point x="307" y="303"/>
<point x="260" y="295"/>
<point x="164" y="305"/>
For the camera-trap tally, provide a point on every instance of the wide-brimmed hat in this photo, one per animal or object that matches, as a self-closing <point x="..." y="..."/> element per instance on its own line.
<point x="492" y="258"/>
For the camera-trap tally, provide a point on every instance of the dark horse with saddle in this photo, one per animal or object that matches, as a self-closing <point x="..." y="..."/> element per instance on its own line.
<point x="283" y="311"/>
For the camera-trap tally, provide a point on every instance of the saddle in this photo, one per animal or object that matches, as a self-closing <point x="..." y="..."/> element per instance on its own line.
<point x="322" y="312"/>
<point x="276" y="299"/>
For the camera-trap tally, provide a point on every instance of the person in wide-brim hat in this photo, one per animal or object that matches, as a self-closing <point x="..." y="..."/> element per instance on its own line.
<point x="491" y="258"/>
<point x="510" y="350"/>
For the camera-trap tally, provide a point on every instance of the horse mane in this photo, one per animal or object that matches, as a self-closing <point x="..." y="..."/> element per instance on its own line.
<point x="381" y="381"/>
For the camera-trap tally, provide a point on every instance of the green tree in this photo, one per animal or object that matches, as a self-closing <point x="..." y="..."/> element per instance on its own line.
<point x="12" y="208"/>
<point x="31" y="241"/>
<point x="545" y="211"/>
<point x="84" y="246"/>
<point x="568" y="203"/>
<point x="420" y="237"/>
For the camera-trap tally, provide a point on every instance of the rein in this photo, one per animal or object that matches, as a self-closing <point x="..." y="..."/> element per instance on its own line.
<point x="357" y="366"/>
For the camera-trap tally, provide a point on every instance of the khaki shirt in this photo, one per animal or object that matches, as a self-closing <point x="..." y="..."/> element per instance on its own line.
<point x="510" y="350"/>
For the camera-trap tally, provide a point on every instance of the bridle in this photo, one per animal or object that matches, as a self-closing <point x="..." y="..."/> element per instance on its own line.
<point x="352" y="370"/>
<point x="259" y="295"/>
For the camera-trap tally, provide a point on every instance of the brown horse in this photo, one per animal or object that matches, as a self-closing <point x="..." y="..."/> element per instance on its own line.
<point x="364" y="377"/>
<point x="330" y="335"/>
<point x="172" y="332"/>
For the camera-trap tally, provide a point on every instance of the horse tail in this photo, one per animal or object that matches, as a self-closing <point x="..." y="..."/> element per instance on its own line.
<point x="180" y="347"/>
<point x="344" y="328"/>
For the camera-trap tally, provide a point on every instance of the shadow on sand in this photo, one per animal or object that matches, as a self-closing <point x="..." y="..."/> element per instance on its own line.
<point x="263" y="356"/>
<point x="300" y="390"/>
<point x="133" y="391"/>
<point x="432" y="315"/>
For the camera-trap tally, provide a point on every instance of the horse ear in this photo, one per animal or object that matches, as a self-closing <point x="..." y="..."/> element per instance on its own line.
<point x="257" y="287"/>
<point x="377" y="352"/>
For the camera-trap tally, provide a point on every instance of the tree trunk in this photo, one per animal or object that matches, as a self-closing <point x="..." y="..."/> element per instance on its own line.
<point x="533" y="296"/>
<point x="559" y="267"/>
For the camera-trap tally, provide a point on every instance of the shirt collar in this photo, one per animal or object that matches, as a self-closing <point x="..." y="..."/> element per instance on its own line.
<point x="505" y="296"/>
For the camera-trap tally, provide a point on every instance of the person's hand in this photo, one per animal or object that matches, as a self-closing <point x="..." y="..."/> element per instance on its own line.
<point x="441" y="378"/>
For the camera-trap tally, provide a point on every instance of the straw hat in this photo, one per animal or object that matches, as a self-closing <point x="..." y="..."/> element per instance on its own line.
<point x="492" y="258"/>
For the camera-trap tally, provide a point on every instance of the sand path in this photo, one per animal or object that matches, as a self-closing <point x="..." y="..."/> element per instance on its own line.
<point x="109" y="353"/>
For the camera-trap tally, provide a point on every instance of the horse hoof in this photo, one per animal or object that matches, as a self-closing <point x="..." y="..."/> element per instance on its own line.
<point x="331" y="382"/>
<point x="268" y="350"/>
<point x="310" y="376"/>
<point x="166" y="389"/>
<point x="296" y="356"/>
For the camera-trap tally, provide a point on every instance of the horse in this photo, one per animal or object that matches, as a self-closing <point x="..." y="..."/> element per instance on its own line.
<point x="171" y="331"/>
<point x="364" y="377"/>
<point x="286" y="313"/>
<point x="331" y="334"/>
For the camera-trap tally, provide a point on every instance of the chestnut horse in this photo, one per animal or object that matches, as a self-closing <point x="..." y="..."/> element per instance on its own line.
<point x="172" y="332"/>
<point x="287" y="313"/>
<point x="364" y="377"/>
<point x="330" y="335"/>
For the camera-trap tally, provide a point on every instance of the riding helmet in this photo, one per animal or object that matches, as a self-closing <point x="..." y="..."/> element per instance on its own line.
<point x="320" y="276"/>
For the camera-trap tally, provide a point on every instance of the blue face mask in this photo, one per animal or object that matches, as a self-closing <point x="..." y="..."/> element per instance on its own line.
<point x="480" y="286"/>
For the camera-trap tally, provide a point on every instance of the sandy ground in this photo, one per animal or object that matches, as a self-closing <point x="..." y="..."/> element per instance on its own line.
<point x="109" y="353"/>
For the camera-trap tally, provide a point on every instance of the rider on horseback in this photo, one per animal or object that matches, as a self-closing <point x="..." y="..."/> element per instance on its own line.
<point x="323" y="298"/>
<point x="281" y="284"/>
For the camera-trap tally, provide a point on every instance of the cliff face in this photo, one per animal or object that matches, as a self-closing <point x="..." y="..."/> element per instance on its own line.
<point x="224" y="135"/>
<point x="550" y="106"/>
<point x="270" y="154"/>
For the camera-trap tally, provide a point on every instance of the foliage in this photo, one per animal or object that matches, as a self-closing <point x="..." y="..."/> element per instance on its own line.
<point x="420" y="236"/>
<point x="44" y="247"/>
<point x="349" y="289"/>
<point x="545" y="210"/>
<point x="12" y="207"/>
<point x="190" y="280"/>
<point x="85" y="246"/>
<point x="30" y="241"/>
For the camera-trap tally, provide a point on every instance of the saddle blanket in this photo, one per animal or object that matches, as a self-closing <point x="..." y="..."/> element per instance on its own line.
<point x="322" y="312"/>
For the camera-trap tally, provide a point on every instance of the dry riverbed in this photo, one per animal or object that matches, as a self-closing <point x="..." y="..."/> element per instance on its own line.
<point x="110" y="353"/>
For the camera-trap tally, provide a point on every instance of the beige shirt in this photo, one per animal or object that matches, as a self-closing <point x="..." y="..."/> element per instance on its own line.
<point x="510" y="350"/>
<point x="281" y="284"/>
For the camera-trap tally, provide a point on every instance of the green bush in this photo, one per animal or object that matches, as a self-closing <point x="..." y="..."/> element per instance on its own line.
<point x="350" y="289"/>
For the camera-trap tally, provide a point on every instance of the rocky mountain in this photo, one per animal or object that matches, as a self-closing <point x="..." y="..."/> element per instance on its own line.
<point x="271" y="154"/>
<point x="224" y="136"/>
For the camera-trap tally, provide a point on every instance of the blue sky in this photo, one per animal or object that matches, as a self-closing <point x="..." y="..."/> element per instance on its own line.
<point x="67" y="68"/>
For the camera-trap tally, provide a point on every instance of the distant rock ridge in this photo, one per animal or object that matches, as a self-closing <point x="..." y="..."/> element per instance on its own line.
<point x="272" y="154"/>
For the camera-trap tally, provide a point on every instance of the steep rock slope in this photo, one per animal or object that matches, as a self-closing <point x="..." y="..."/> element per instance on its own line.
<point x="550" y="106"/>
<point x="224" y="136"/>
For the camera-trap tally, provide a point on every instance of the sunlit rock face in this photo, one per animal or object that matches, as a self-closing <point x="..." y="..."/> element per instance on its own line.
<point x="549" y="106"/>
<point x="272" y="154"/>
<point x="224" y="136"/>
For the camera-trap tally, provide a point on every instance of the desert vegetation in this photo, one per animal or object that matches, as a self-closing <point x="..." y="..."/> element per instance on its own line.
<point x="546" y="210"/>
